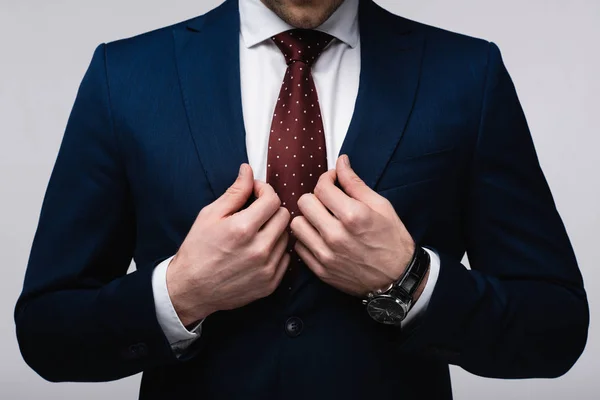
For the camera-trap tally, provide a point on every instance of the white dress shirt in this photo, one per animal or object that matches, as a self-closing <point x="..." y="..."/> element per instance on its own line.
<point x="262" y="67"/>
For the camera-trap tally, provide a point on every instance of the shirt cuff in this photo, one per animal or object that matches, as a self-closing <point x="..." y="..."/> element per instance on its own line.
<point x="177" y="334"/>
<point x="421" y="305"/>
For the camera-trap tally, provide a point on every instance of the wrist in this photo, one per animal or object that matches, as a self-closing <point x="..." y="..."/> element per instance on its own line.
<point x="184" y="295"/>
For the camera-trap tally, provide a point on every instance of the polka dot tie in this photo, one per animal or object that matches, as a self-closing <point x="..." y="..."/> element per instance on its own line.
<point x="297" y="156"/>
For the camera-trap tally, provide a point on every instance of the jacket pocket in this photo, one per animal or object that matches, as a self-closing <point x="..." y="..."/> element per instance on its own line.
<point x="421" y="168"/>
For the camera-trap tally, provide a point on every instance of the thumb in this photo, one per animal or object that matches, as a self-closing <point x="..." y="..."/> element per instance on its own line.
<point x="352" y="184"/>
<point x="238" y="193"/>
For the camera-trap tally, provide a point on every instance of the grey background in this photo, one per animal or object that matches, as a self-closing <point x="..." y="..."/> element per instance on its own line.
<point x="550" y="48"/>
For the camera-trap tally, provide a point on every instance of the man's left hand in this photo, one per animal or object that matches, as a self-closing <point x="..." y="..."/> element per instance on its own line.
<point x="351" y="239"/>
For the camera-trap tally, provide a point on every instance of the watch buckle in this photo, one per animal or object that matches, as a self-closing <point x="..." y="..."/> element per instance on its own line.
<point x="382" y="291"/>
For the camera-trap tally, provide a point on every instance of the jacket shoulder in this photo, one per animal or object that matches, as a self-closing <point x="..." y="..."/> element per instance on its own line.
<point x="454" y="40"/>
<point x="144" y="46"/>
<point x="449" y="55"/>
<point x="154" y="44"/>
<point x="443" y="42"/>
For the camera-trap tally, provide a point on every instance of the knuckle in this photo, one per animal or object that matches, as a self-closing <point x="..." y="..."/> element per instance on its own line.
<point x="241" y="231"/>
<point x="318" y="190"/>
<point x="334" y="237"/>
<point x="234" y="189"/>
<point x="259" y="187"/>
<point x="356" y="179"/>
<point x="387" y="205"/>
<point x="303" y="199"/>
<point x="295" y="222"/>
<point x="267" y="272"/>
<point x="383" y="201"/>
<point x="204" y="213"/>
<point x="274" y="200"/>
<point x="259" y="253"/>
<point x="322" y="177"/>
<point x="204" y="210"/>
<point x="285" y="212"/>
<point x="325" y="256"/>
<point x="272" y="285"/>
<point x="354" y="218"/>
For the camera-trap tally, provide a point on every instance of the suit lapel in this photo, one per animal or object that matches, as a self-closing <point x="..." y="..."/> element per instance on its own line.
<point x="391" y="55"/>
<point x="207" y="54"/>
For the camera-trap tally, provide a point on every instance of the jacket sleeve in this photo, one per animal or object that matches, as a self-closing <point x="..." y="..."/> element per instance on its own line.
<point x="521" y="310"/>
<point x="80" y="316"/>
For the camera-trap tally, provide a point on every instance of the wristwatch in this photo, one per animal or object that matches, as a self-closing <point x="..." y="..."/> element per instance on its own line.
<point x="391" y="305"/>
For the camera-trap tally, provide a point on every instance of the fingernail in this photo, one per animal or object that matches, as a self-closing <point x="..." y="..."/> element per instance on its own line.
<point x="241" y="173"/>
<point x="346" y="160"/>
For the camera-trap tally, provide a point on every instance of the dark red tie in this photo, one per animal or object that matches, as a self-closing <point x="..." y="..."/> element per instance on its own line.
<point x="297" y="155"/>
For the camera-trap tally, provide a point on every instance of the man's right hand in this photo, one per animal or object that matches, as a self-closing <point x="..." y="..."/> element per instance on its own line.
<point x="231" y="257"/>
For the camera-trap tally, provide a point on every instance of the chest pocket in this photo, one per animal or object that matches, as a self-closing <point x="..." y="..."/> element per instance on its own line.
<point x="415" y="169"/>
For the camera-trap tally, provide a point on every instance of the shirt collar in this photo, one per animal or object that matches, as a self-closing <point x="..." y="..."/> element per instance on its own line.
<point x="259" y="23"/>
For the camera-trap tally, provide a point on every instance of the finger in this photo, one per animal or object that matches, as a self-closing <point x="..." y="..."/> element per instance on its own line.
<point x="331" y="196"/>
<point x="279" y="250"/>
<point x="282" y="267"/>
<point x="352" y="184"/>
<point x="309" y="236"/>
<point x="236" y="195"/>
<point x="261" y="210"/>
<point x="317" y="215"/>
<point x="275" y="226"/>
<point x="309" y="259"/>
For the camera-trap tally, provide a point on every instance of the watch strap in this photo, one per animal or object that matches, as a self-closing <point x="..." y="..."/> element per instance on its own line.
<point x="414" y="274"/>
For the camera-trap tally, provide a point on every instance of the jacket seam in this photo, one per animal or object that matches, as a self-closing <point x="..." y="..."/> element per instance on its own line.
<point x="484" y="97"/>
<point x="110" y="108"/>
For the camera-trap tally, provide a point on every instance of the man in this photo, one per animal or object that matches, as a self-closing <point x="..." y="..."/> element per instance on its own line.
<point x="305" y="275"/>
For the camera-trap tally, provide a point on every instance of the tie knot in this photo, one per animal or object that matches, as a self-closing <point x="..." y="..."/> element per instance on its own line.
<point x="304" y="45"/>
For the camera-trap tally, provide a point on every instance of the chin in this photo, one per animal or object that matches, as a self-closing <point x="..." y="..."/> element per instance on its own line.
<point x="305" y="21"/>
<point x="304" y="17"/>
<point x="305" y="14"/>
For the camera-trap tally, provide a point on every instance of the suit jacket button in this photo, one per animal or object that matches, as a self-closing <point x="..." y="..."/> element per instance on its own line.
<point x="293" y="326"/>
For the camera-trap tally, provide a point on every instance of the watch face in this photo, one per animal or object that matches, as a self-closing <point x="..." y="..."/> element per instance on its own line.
<point x="387" y="310"/>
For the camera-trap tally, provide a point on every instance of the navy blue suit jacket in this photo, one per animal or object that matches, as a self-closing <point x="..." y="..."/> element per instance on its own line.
<point x="156" y="133"/>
